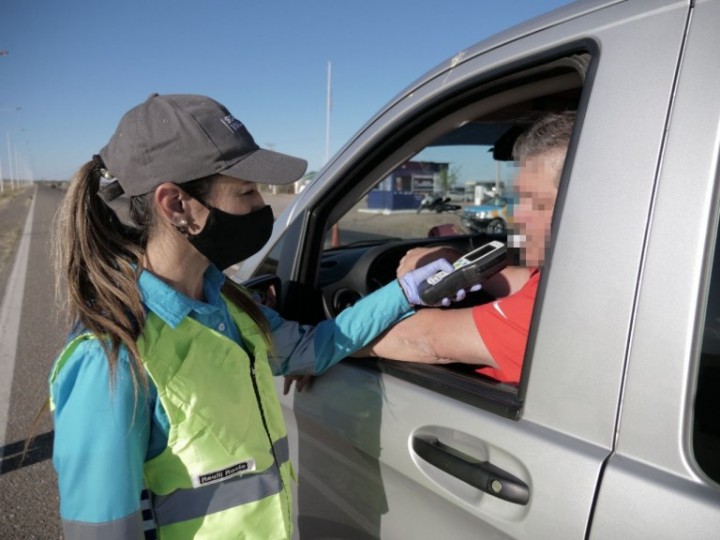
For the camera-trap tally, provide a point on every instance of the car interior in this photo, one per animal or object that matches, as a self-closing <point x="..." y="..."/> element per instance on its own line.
<point x="350" y="249"/>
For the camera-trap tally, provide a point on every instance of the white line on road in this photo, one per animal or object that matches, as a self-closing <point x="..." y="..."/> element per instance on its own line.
<point x="10" y="312"/>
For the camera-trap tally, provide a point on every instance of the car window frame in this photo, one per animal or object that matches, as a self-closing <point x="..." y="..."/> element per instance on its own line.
<point x="403" y="143"/>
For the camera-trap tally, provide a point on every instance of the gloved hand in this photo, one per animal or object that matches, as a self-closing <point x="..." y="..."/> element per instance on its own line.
<point x="411" y="280"/>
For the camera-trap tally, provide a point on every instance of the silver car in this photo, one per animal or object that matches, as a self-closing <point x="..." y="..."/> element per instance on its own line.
<point x="614" y="429"/>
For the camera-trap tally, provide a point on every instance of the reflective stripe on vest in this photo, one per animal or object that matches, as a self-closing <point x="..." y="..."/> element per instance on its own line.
<point x="219" y="472"/>
<point x="184" y="504"/>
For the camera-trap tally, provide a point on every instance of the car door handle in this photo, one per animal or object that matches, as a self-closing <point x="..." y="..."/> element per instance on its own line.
<point x="480" y="474"/>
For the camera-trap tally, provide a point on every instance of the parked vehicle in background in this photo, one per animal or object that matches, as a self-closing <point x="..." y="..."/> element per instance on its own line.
<point x="490" y="217"/>
<point x="613" y="431"/>
<point x="459" y="194"/>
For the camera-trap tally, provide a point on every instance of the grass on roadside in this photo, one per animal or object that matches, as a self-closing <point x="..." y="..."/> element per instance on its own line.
<point x="9" y="194"/>
<point x="8" y="240"/>
<point x="9" y="237"/>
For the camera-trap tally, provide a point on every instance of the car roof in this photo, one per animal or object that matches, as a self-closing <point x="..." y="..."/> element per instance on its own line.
<point x="537" y="24"/>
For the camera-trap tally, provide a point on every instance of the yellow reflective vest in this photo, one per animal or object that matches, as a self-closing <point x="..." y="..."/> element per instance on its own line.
<point x="225" y="472"/>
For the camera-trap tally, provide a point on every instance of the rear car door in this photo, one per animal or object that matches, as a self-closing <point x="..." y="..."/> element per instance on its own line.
<point x="357" y="433"/>
<point x="663" y="478"/>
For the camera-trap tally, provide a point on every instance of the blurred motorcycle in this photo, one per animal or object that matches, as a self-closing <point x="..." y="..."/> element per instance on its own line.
<point x="437" y="203"/>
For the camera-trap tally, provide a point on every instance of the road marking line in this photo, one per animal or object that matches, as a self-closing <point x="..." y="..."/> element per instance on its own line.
<point x="10" y="313"/>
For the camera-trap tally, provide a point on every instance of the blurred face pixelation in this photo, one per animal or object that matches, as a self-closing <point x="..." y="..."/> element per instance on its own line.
<point x="536" y="190"/>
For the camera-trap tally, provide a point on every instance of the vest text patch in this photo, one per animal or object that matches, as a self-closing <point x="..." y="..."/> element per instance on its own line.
<point x="223" y="474"/>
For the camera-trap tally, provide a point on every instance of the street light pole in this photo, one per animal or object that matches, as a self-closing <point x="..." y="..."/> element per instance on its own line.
<point x="14" y="160"/>
<point x="17" y="170"/>
<point x="29" y="163"/>
<point x="10" y="160"/>
<point x="5" y="52"/>
<point x="328" y="106"/>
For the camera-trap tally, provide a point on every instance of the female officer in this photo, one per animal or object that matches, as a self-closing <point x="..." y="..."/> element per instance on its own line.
<point x="165" y="380"/>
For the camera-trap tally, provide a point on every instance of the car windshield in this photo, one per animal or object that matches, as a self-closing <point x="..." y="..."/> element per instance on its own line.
<point x="497" y="201"/>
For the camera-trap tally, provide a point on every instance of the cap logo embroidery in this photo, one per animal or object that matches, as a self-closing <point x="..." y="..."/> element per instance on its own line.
<point x="232" y="123"/>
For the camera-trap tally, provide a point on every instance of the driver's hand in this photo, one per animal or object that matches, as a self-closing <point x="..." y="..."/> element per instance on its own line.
<point x="417" y="257"/>
<point x="301" y="381"/>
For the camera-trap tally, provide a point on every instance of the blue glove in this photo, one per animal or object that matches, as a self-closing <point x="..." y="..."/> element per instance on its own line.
<point x="411" y="280"/>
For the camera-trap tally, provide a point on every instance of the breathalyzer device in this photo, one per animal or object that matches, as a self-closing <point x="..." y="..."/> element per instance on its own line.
<point x="471" y="269"/>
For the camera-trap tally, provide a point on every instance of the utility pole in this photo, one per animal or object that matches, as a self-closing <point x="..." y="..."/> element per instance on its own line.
<point x="10" y="159"/>
<point x="328" y="104"/>
<point x="17" y="171"/>
<point x="335" y="231"/>
<point x="5" y="52"/>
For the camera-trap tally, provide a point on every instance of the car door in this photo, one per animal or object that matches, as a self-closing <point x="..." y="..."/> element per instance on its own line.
<point x="663" y="478"/>
<point x="360" y="434"/>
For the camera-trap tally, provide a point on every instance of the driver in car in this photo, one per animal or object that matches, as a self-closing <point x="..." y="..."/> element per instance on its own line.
<point x="492" y="335"/>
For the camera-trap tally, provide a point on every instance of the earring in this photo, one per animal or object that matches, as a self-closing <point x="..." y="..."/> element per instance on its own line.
<point x="181" y="225"/>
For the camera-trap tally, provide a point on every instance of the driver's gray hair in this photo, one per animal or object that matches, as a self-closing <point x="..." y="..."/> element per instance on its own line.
<point x="549" y="133"/>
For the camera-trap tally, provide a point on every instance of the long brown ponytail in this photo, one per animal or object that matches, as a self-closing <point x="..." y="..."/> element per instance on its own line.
<point x="97" y="261"/>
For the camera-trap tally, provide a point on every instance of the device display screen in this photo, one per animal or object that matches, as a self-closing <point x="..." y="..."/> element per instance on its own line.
<point x="484" y="250"/>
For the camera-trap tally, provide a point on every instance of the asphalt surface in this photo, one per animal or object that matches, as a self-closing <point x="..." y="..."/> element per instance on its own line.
<point x="28" y="491"/>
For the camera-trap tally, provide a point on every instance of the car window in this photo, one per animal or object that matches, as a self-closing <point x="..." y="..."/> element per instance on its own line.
<point x="454" y="183"/>
<point x="447" y="177"/>
<point x="443" y="190"/>
<point x="706" y="429"/>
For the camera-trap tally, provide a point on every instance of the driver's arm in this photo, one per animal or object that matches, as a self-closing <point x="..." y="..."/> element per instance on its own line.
<point x="440" y="336"/>
<point x="433" y="336"/>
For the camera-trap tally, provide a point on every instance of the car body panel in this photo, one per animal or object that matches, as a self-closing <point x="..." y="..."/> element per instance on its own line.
<point x="645" y="479"/>
<point x="595" y="442"/>
<point x="376" y="432"/>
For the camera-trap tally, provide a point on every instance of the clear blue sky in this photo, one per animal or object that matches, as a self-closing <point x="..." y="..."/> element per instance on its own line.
<point x="75" y="66"/>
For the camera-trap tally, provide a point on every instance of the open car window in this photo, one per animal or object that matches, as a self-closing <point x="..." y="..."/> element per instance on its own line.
<point x="453" y="187"/>
<point x="458" y="148"/>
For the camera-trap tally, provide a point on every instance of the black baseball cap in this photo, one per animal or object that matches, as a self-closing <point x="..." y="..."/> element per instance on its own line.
<point x="182" y="137"/>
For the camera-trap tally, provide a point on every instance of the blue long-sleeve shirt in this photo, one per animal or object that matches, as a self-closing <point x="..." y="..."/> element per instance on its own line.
<point x="104" y="432"/>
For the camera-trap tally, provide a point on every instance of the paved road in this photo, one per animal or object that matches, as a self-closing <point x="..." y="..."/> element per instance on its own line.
<point x="30" y="334"/>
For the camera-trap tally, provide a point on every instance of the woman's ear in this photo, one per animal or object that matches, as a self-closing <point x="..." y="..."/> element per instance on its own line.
<point x="169" y="200"/>
<point x="179" y="209"/>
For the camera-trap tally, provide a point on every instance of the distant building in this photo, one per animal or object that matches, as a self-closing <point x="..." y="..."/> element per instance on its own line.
<point x="404" y="188"/>
<point x="419" y="177"/>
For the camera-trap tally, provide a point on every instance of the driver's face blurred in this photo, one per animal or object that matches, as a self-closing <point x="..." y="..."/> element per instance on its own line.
<point x="537" y="190"/>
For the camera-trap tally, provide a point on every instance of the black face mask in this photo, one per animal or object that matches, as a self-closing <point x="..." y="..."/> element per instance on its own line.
<point x="227" y="239"/>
